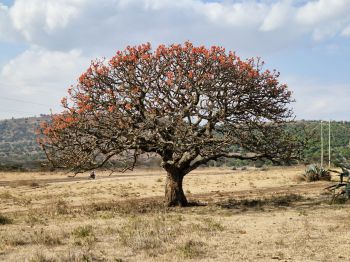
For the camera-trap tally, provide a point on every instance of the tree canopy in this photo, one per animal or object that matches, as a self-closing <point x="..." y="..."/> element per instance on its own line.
<point x="185" y="103"/>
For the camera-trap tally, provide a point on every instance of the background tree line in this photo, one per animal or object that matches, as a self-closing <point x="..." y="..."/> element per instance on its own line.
<point x="20" y="151"/>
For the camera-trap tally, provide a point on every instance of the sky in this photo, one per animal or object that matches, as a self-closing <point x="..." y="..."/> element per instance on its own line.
<point x="45" y="45"/>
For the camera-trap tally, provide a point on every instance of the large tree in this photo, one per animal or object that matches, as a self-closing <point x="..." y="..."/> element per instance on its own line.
<point x="187" y="104"/>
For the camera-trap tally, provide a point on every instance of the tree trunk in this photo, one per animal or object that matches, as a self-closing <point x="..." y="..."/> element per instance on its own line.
<point x="174" y="195"/>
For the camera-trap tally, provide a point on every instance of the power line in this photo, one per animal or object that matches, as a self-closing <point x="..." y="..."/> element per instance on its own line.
<point x="23" y="101"/>
<point x="13" y="111"/>
<point x="17" y="112"/>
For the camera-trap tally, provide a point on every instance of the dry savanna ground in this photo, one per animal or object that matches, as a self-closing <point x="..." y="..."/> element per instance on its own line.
<point x="237" y="215"/>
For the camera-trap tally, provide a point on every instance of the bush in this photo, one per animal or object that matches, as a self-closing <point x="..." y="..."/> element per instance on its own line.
<point x="192" y="249"/>
<point x="84" y="236"/>
<point x="316" y="173"/>
<point x="5" y="220"/>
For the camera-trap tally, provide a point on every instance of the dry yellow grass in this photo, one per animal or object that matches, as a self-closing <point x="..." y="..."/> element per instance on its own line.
<point x="249" y="215"/>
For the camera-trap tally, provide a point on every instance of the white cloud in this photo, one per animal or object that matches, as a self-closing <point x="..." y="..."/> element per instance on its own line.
<point x="346" y="31"/>
<point x="41" y="76"/>
<point x="323" y="11"/>
<point x="278" y="16"/>
<point x="319" y="100"/>
<point x="243" y="14"/>
<point x="110" y="24"/>
<point x="326" y="31"/>
<point x="36" y="17"/>
<point x="55" y="30"/>
<point x="33" y="71"/>
<point x="7" y="31"/>
<point x="324" y="18"/>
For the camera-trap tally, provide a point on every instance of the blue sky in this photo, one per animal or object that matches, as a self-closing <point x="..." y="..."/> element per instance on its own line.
<point x="46" y="44"/>
<point x="7" y="2"/>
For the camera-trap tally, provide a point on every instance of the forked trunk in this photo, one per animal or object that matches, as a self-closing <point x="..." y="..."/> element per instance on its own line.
<point x="174" y="194"/>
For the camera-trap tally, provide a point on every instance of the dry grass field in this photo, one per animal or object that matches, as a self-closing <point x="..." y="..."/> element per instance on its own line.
<point x="237" y="215"/>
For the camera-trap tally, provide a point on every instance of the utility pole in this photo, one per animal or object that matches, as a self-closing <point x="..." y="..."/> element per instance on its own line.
<point x="321" y="145"/>
<point x="329" y="143"/>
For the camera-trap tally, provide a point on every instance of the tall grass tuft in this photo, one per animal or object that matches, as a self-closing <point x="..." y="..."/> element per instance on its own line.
<point x="4" y="220"/>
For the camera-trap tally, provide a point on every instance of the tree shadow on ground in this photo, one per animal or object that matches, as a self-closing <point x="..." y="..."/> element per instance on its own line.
<point x="275" y="201"/>
<point x="195" y="203"/>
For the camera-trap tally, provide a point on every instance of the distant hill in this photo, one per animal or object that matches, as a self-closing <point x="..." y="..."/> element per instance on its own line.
<point x="19" y="149"/>
<point x="18" y="146"/>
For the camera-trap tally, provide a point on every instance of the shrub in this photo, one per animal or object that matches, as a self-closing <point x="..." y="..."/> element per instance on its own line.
<point x="83" y="231"/>
<point x="192" y="249"/>
<point x="5" y="220"/>
<point x="316" y="173"/>
<point x="84" y="235"/>
<point x="61" y="207"/>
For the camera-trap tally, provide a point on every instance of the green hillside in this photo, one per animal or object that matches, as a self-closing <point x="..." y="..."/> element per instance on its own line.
<point x="339" y="141"/>
<point x="20" y="151"/>
<point x="18" y="146"/>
